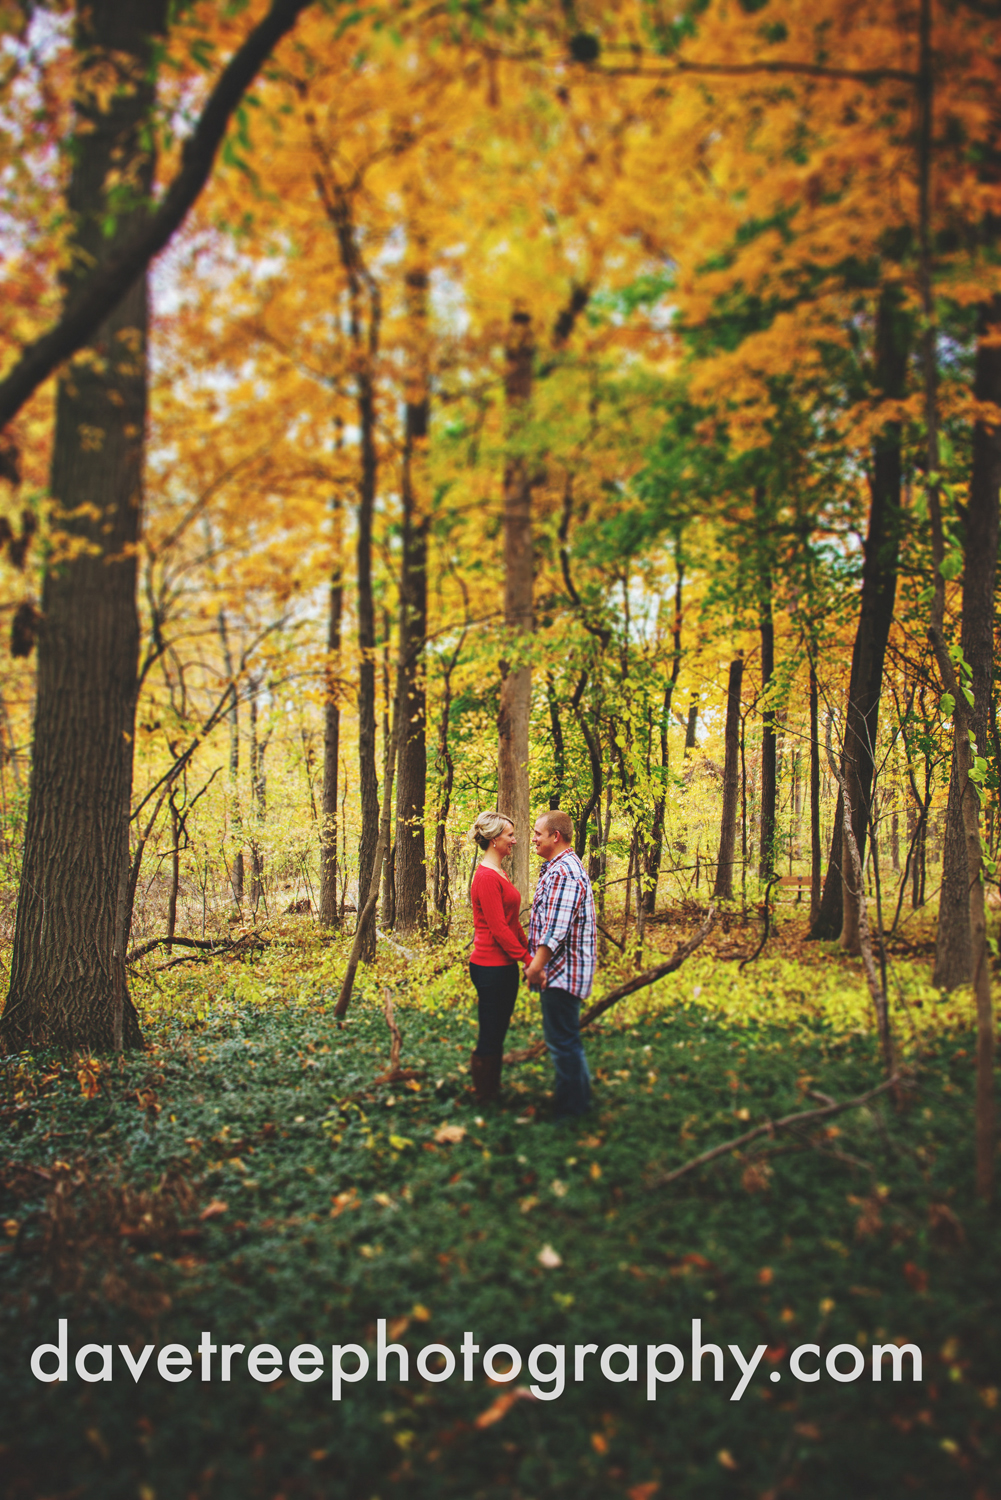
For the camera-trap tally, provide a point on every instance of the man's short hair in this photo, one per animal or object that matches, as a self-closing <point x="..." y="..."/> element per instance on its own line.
<point x="559" y="822"/>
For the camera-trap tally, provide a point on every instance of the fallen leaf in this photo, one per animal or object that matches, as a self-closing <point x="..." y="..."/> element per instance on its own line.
<point x="549" y="1258"/>
<point x="450" y="1133"/>
<point x="503" y="1403"/>
<point x="214" y="1209"/>
<point x="726" y="1458"/>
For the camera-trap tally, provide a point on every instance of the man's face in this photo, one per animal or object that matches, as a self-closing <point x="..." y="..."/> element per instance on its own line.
<point x="544" y="842"/>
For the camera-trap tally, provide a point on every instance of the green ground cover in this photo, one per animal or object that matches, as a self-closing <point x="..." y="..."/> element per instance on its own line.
<point x="249" y="1176"/>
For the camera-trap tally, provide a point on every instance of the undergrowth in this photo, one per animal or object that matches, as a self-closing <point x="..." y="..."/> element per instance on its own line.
<point x="249" y="1175"/>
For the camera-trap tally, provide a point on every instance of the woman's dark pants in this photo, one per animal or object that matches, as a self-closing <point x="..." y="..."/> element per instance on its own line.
<point x="496" y="991"/>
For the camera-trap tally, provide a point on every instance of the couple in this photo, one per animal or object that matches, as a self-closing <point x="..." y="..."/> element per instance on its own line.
<point x="559" y="955"/>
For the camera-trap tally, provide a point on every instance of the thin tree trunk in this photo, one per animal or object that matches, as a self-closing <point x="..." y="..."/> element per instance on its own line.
<point x="364" y="333"/>
<point x="691" y="743"/>
<point x="409" y="865"/>
<point x="723" y="889"/>
<point x="389" y="863"/>
<point x="175" y="872"/>
<point x="329" y="911"/>
<point x="258" y="802"/>
<point x="879" y="587"/>
<point x="815" y="843"/>
<point x="235" y="816"/>
<point x="559" y="751"/>
<point x="656" y="850"/>
<point x="366" y="914"/>
<point x="766" y="865"/>
<point x="67" y="980"/>
<point x="516" y="678"/>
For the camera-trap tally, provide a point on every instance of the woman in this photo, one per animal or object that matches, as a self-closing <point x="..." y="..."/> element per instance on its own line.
<point x="499" y="947"/>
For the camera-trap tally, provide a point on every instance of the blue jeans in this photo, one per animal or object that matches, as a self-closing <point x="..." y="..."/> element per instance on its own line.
<point x="561" y="1028"/>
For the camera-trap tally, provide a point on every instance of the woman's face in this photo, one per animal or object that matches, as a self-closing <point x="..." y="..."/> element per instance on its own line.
<point x="502" y="843"/>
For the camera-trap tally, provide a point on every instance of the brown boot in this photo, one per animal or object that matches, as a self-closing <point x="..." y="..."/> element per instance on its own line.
<point x="486" y="1073"/>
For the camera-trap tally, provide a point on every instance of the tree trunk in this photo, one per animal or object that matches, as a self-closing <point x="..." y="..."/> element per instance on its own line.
<point x="559" y="751"/>
<point x="233" y="716"/>
<point x="723" y="890"/>
<point x="389" y="863"/>
<point x="516" y="679"/>
<point x="68" y="982"/>
<point x="656" y="851"/>
<point x="766" y="860"/>
<point x="365" y="332"/>
<point x="367" y="777"/>
<point x="691" y="743"/>
<point x="329" y="910"/>
<point x="952" y="950"/>
<point x="410" y="866"/>
<point x="258" y="802"/>
<point x="879" y="588"/>
<point x="815" y="846"/>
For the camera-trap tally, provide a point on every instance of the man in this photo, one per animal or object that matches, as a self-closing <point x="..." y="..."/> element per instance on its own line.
<point x="563" y="935"/>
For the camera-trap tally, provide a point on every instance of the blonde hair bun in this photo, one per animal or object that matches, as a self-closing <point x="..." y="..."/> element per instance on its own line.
<point x="487" y="826"/>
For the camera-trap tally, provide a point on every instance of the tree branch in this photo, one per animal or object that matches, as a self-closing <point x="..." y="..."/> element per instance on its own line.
<point x="788" y="1122"/>
<point x="107" y="284"/>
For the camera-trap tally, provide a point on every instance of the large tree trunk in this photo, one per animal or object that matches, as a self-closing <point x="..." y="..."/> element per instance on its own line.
<point x="411" y="791"/>
<point x="516" y="679"/>
<point x="952" y="950"/>
<point x="879" y="589"/>
<point x="723" y="890"/>
<point x="329" y="909"/>
<point x="68" y="982"/>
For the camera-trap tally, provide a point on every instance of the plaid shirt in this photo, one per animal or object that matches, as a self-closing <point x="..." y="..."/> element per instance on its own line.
<point x="563" y="907"/>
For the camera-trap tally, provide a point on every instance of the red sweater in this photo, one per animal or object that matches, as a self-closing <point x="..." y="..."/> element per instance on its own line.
<point x="499" y="937"/>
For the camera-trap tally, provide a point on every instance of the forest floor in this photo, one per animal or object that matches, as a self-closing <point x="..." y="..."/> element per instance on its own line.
<point x="249" y="1175"/>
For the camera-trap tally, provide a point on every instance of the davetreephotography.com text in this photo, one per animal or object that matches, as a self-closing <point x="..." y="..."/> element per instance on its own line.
<point x="549" y="1366"/>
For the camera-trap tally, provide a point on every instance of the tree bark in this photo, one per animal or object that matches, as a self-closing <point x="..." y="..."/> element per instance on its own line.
<point x="766" y="624"/>
<point x="329" y="908"/>
<point x="952" y="950"/>
<point x="364" y="333"/>
<point x="68" y="983"/>
<point x="559" y="750"/>
<point x="691" y="743"/>
<point x="723" y="890"/>
<point x="411" y="792"/>
<point x="516" y="678"/>
<point x="879" y="588"/>
<point x="233" y="716"/>
<point x="655" y="852"/>
<point x="815" y="847"/>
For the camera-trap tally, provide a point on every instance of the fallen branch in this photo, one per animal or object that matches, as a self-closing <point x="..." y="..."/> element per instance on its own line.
<point x="788" y="1122"/>
<point x="638" y="982"/>
<point x="205" y="945"/>
<point x="394" y="1073"/>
